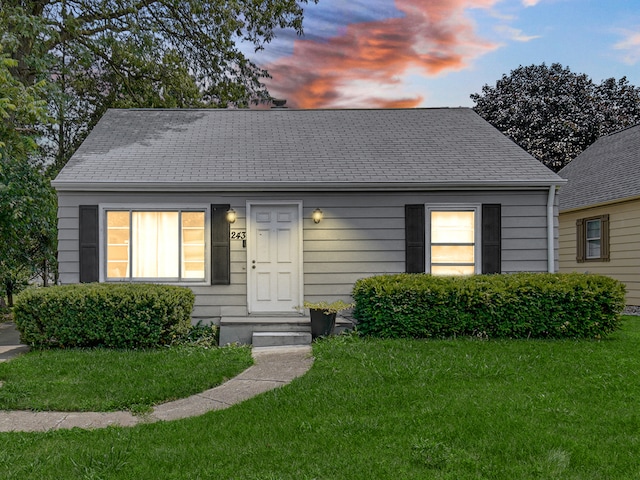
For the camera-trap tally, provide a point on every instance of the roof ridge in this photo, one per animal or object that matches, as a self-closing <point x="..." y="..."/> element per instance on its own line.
<point x="288" y="109"/>
<point x="621" y="130"/>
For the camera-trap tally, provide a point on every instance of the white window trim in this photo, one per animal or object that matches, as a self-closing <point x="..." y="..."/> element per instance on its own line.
<point x="477" y="230"/>
<point x="155" y="207"/>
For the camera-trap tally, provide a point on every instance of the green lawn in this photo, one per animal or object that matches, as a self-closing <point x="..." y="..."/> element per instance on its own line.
<point x="107" y="380"/>
<point x="397" y="409"/>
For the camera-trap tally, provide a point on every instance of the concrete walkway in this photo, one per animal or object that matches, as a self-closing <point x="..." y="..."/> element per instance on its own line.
<point x="273" y="367"/>
<point x="10" y="345"/>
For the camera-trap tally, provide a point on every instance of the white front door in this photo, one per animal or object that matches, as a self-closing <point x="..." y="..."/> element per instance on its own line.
<point x="274" y="257"/>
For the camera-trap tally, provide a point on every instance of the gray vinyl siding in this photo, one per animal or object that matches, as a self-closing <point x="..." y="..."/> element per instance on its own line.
<point x="361" y="234"/>
<point x="68" y="237"/>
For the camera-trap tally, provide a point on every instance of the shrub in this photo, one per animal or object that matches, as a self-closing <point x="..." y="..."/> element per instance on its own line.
<point x="103" y="315"/>
<point x="199" y="335"/>
<point x="522" y="305"/>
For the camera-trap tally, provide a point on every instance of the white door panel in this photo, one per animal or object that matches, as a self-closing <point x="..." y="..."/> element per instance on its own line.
<point x="274" y="258"/>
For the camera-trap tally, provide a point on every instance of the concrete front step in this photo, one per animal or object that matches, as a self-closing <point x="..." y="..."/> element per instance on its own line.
<point x="280" y="339"/>
<point x="241" y="329"/>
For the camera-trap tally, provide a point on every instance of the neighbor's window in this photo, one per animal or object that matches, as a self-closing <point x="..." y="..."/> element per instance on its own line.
<point x="165" y="245"/>
<point x="593" y="239"/>
<point x="453" y="242"/>
<point x="594" y="230"/>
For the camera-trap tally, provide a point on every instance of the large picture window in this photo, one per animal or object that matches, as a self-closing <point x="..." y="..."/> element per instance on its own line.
<point x="160" y="245"/>
<point x="453" y="242"/>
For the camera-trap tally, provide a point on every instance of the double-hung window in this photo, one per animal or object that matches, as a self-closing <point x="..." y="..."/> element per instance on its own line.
<point x="164" y="245"/>
<point x="593" y="239"/>
<point x="453" y="236"/>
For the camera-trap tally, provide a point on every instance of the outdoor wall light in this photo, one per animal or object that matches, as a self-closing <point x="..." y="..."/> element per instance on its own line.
<point x="316" y="215"/>
<point x="231" y="215"/>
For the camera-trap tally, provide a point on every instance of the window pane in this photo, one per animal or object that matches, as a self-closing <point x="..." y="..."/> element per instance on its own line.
<point x="593" y="229"/>
<point x="193" y="262"/>
<point x="593" y="248"/>
<point x="117" y="269"/>
<point x="452" y="269"/>
<point x="193" y="246"/>
<point x="191" y="235"/>
<point x="452" y="254"/>
<point x="118" y="219"/>
<point x="155" y="242"/>
<point x="452" y="227"/>
<point x="117" y="244"/>
<point x="118" y="235"/>
<point x="193" y="219"/>
<point x="193" y="270"/>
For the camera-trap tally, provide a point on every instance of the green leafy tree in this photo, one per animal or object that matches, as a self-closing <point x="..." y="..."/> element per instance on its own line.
<point x="27" y="202"/>
<point x="139" y="53"/>
<point x="27" y="226"/>
<point x="73" y="59"/>
<point x="21" y="109"/>
<point x="553" y="113"/>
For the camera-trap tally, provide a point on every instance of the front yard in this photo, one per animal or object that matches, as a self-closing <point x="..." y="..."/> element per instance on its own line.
<point x="101" y="380"/>
<point x="399" y="409"/>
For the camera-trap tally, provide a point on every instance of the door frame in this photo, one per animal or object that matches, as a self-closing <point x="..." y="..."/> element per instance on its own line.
<point x="300" y="279"/>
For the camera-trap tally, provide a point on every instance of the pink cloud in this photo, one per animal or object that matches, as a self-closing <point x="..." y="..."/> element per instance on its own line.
<point x="432" y="37"/>
<point x="631" y="46"/>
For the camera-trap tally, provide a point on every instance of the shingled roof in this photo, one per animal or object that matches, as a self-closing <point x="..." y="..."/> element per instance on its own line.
<point x="609" y="170"/>
<point x="311" y="149"/>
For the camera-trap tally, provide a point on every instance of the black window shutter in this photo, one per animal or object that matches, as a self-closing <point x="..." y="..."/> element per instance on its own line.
<point x="88" y="248"/>
<point x="581" y="241"/>
<point x="604" y="238"/>
<point x="220" y="246"/>
<point x="491" y="238"/>
<point x="414" y="224"/>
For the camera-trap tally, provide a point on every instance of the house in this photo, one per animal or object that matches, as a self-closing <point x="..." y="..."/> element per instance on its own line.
<point x="258" y="210"/>
<point x="600" y="211"/>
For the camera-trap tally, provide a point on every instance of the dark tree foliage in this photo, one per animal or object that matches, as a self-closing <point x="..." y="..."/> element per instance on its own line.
<point x="28" y="233"/>
<point x="97" y="54"/>
<point x="64" y="62"/>
<point x="553" y="113"/>
<point x="27" y="202"/>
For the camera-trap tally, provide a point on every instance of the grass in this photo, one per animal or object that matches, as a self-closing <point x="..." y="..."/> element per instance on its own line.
<point x="454" y="409"/>
<point x="108" y="380"/>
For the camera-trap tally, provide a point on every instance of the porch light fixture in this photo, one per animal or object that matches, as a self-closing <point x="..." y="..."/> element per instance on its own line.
<point x="231" y="215"/>
<point x="316" y="215"/>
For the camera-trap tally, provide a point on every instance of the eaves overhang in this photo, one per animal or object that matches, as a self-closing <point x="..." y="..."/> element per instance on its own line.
<point x="599" y="204"/>
<point x="66" y="186"/>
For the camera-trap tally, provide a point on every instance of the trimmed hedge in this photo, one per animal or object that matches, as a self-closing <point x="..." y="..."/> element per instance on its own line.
<point x="103" y="315"/>
<point x="521" y="305"/>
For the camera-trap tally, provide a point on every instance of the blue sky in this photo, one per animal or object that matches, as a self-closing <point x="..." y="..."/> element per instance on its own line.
<point x="433" y="53"/>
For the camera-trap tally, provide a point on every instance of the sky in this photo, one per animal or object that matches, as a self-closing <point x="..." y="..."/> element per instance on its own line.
<point x="436" y="53"/>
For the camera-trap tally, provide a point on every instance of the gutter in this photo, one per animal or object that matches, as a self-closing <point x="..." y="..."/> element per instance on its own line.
<point x="298" y="186"/>
<point x="550" y="240"/>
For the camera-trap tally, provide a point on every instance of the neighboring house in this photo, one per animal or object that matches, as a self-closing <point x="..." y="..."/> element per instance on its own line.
<point x="258" y="210"/>
<point x="600" y="211"/>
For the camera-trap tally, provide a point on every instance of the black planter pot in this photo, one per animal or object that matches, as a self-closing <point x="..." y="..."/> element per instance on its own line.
<point x="322" y="324"/>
